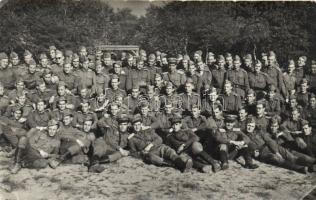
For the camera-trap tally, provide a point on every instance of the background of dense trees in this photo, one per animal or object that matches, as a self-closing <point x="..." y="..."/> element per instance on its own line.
<point x="288" y="28"/>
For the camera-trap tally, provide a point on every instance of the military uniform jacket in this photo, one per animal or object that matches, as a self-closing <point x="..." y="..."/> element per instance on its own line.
<point x="188" y="100"/>
<point x="36" y="118"/>
<point x="138" y="141"/>
<point x="71" y="81"/>
<point x="302" y="99"/>
<point x="79" y="118"/>
<point x="36" y="95"/>
<point x="290" y="81"/>
<point x="299" y="73"/>
<point x="116" y="139"/>
<point x="262" y="123"/>
<point x="132" y="103"/>
<point x="164" y="120"/>
<point x="30" y="80"/>
<point x="310" y="114"/>
<point x="68" y="134"/>
<point x="184" y="136"/>
<point x="111" y="94"/>
<point x="86" y="78"/>
<point x="26" y="109"/>
<point x="4" y="103"/>
<point x="7" y="78"/>
<point x="41" y="141"/>
<point x="232" y="102"/>
<point x="218" y="77"/>
<point x="174" y="98"/>
<point x="177" y="78"/>
<point x="102" y="82"/>
<point x="240" y="81"/>
<point x="137" y="77"/>
<point x="70" y="98"/>
<point x="258" y="81"/>
<point x="108" y="122"/>
<point x="259" y="139"/>
<point x="273" y="106"/>
<point x="150" y="120"/>
<point x="223" y="136"/>
<point x="201" y="123"/>
<point x="277" y="79"/>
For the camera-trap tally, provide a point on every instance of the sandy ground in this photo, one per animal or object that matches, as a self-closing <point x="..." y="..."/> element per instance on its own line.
<point x="132" y="179"/>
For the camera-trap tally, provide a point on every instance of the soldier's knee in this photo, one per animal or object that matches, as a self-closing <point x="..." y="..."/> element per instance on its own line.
<point x="196" y="147"/>
<point x="40" y="164"/>
<point x="74" y="149"/>
<point x="223" y="147"/>
<point x="22" y="142"/>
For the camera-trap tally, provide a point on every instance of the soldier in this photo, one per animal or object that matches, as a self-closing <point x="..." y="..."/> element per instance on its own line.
<point x="139" y="76"/>
<point x="302" y="95"/>
<point x="231" y="100"/>
<point x="121" y="73"/>
<point x="43" y="62"/>
<point x="204" y="77"/>
<point x="210" y="102"/>
<point x="171" y="96"/>
<point x="19" y="69"/>
<point x="242" y="118"/>
<point x="267" y="150"/>
<point x="192" y="74"/>
<point x="159" y="84"/>
<point x="57" y="67"/>
<point x="27" y="57"/>
<point x="86" y="76"/>
<point x="310" y="111"/>
<point x="289" y="78"/>
<point x="31" y="76"/>
<point x="238" y="77"/>
<point x="41" y="92"/>
<point x="189" y="98"/>
<point x="250" y="102"/>
<point x="82" y="51"/>
<point x="18" y="90"/>
<point x="58" y="112"/>
<point x="185" y="141"/>
<point x="52" y="53"/>
<point x="177" y="78"/>
<point x="80" y="116"/>
<point x="108" y="63"/>
<point x="50" y="80"/>
<point x="219" y="73"/>
<point x="133" y="99"/>
<point x="290" y="106"/>
<point x="75" y="63"/>
<point x="39" y="118"/>
<point x="197" y="56"/>
<point x="248" y="64"/>
<point x="62" y="91"/>
<point x="262" y="121"/>
<point x="4" y="100"/>
<point x="211" y="61"/>
<point x="147" y="145"/>
<point x="311" y="77"/>
<point x="99" y="104"/>
<point x="273" y="103"/>
<point x="109" y="120"/>
<point x="102" y="79"/>
<point x="232" y="142"/>
<point x="40" y="150"/>
<point x="309" y="138"/>
<point x="229" y="61"/>
<point x="111" y="147"/>
<point x="69" y="77"/>
<point x="6" y="74"/>
<point x="299" y="70"/>
<point x="153" y="99"/>
<point x="114" y="90"/>
<point x="258" y="80"/>
<point x="21" y="103"/>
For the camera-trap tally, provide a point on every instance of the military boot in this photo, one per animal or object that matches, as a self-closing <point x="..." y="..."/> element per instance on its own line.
<point x="183" y="164"/>
<point x="17" y="163"/>
<point x="205" y="156"/>
<point x="224" y="159"/>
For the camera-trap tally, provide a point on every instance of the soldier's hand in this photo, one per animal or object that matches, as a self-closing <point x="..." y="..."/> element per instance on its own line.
<point x="194" y="129"/>
<point x="181" y="148"/>
<point x="43" y="154"/>
<point x="51" y="100"/>
<point x="148" y="147"/>
<point x="124" y="152"/>
<point x="68" y="91"/>
<point x="278" y="155"/>
<point x="22" y="119"/>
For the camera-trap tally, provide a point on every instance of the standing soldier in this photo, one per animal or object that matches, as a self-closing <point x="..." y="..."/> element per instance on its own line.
<point x="175" y="77"/>
<point x="19" y="69"/>
<point x="303" y="94"/>
<point x="204" y="77"/>
<point x="311" y="77"/>
<point x="273" y="103"/>
<point x="219" y="73"/>
<point x="248" y="64"/>
<point x="27" y="57"/>
<point x="52" y="54"/>
<point x="114" y="90"/>
<point x="4" y="100"/>
<point x="139" y="76"/>
<point x="108" y="63"/>
<point x="189" y="98"/>
<point x="69" y="77"/>
<point x="300" y="69"/>
<point x="289" y="78"/>
<point x="86" y="76"/>
<point x="211" y="61"/>
<point x="132" y="100"/>
<point x="231" y="100"/>
<point x="102" y="79"/>
<point x="58" y="66"/>
<point x="6" y="74"/>
<point x="31" y="76"/>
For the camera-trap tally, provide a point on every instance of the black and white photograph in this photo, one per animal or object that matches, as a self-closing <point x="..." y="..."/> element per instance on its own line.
<point x="157" y="100"/>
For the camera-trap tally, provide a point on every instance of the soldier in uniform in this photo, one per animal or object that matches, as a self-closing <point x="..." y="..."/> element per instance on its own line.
<point x="299" y="70"/>
<point x="80" y="116"/>
<point x="273" y="103"/>
<point x="262" y="121"/>
<point x="57" y="67"/>
<point x="133" y="99"/>
<point x="147" y="145"/>
<point x="250" y="102"/>
<point x="204" y="77"/>
<point x="248" y="64"/>
<point x="19" y="69"/>
<point x="211" y="61"/>
<point x="41" y="149"/>
<point x="302" y="95"/>
<point x="41" y="92"/>
<point x="171" y="96"/>
<point x="238" y="77"/>
<point x="185" y="141"/>
<point x="69" y="77"/>
<point x="62" y="91"/>
<point x="289" y="78"/>
<point x="148" y="119"/>
<point x="39" y="118"/>
<point x="311" y="77"/>
<point x="50" y="79"/>
<point x="139" y="76"/>
<point x="174" y="76"/>
<point x="4" y="100"/>
<point x="231" y="100"/>
<point x="58" y="112"/>
<point x="43" y="62"/>
<point x="229" y="61"/>
<point x="86" y="76"/>
<point x="310" y="111"/>
<point x="189" y="98"/>
<point x="114" y="90"/>
<point x="75" y="63"/>
<point x="6" y="74"/>
<point x="210" y="102"/>
<point x="99" y="104"/>
<point x="28" y="56"/>
<point x="21" y="103"/>
<point x="109" y="120"/>
<point x="111" y="147"/>
<point x="52" y="53"/>
<point x="219" y="73"/>
<point x="102" y="79"/>
<point x="159" y="84"/>
<point x="232" y="142"/>
<point x="31" y="76"/>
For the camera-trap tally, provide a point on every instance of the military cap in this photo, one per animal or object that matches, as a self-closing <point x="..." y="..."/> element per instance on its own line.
<point x="43" y="56"/>
<point x="39" y="100"/>
<point x="62" y="99"/>
<point x="199" y="52"/>
<point x="52" y="122"/>
<point x="19" y="80"/>
<point x="67" y="112"/>
<point x="261" y="102"/>
<point x="247" y="56"/>
<point x="158" y="53"/>
<point x="169" y="84"/>
<point x="179" y="57"/>
<point x="17" y="108"/>
<point x="304" y="58"/>
<point x="52" y="47"/>
<point x="176" y="119"/>
<point x="13" y="55"/>
<point x="115" y="76"/>
<point x="144" y="104"/>
<point x="172" y="60"/>
<point x="291" y="62"/>
<point x="275" y="119"/>
<point x="228" y="82"/>
<point x="82" y="48"/>
<point x="84" y="59"/>
<point x="303" y="81"/>
<point x="67" y="61"/>
<point x="264" y="54"/>
<point x="39" y="82"/>
<point x="220" y="58"/>
<point x="27" y="53"/>
<point x="228" y="55"/>
<point x="135" y="86"/>
<point x="212" y="90"/>
<point x="98" y="62"/>
<point x="130" y="56"/>
<point x="107" y="56"/>
<point x="304" y="122"/>
<point x="237" y="58"/>
<point x="209" y="54"/>
<point x="292" y="96"/>
<point x="88" y="118"/>
<point x="68" y="53"/>
<point x="61" y="83"/>
<point x="271" y="53"/>
<point x="163" y="55"/>
<point x="186" y="57"/>
<point x="123" y="118"/>
<point x="250" y="119"/>
<point x="151" y="57"/>
<point x="46" y="71"/>
<point x="313" y="62"/>
<point x="137" y="118"/>
<point x="271" y="87"/>
<point x="258" y="62"/>
<point x="32" y="62"/>
<point x="150" y="87"/>
<point x="230" y="118"/>
<point x="142" y="51"/>
<point x="75" y="56"/>
<point x="189" y="80"/>
<point x="3" y="56"/>
<point x="59" y="52"/>
<point x="312" y="95"/>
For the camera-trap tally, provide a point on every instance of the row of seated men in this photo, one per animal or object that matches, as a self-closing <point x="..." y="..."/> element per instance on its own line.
<point x="95" y="93"/>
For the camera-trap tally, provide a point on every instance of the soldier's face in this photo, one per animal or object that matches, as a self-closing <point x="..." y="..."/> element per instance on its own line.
<point x="201" y="66"/>
<point x="59" y="59"/>
<point x="247" y="62"/>
<point x="67" y="68"/>
<point x="52" y="130"/>
<point x="52" y="53"/>
<point x="130" y="62"/>
<point x="115" y="83"/>
<point x="301" y="62"/>
<point x="251" y="127"/>
<point x="312" y="102"/>
<point x="15" y="61"/>
<point x="40" y="106"/>
<point x="20" y="85"/>
<point x="293" y="103"/>
<point x="169" y="90"/>
<point x="188" y="87"/>
<point x="210" y="59"/>
<point x="140" y="64"/>
<point x="85" y="64"/>
<point x="84" y="92"/>
<point x="87" y="126"/>
<point x="4" y="63"/>
<point x="117" y="69"/>
<point x="271" y="60"/>
<point x="123" y="127"/>
<point x="164" y="61"/>
<point x="62" y="105"/>
<point x="217" y="113"/>
<point x="251" y="98"/>
<point x="67" y="120"/>
<point x="137" y="126"/>
<point x="177" y="126"/>
<point x="135" y="92"/>
<point x="1" y="90"/>
<point x="242" y="114"/>
<point x="151" y="63"/>
<point x="304" y="87"/>
<point x="75" y="63"/>
<point x="168" y="108"/>
<point x="274" y="128"/>
<point x="196" y="57"/>
<point x="192" y="69"/>
<point x="228" y="88"/>
<point x="22" y="99"/>
<point x="98" y="69"/>
<point x="150" y="93"/>
<point x="229" y="61"/>
<point x="307" y="130"/>
<point x="42" y="87"/>
<point x="101" y="97"/>
<point x="237" y="64"/>
<point x="107" y="62"/>
<point x="145" y="110"/>
<point x="313" y="69"/>
<point x="119" y="100"/>
<point x="85" y="107"/>
<point x="221" y="63"/>
<point x="83" y="52"/>
<point x="260" y="109"/>
<point x="61" y="90"/>
<point x="291" y="68"/>
<point x="185" y="63"/>
<point x="114" y="110"/>
<point x="32" y="69"/>
<point x="48" y="78"/>
<point x="172" y="67"/>
<point x="27" y="59"/>
<point x="196" y="112"/>
<point x="158" y="80"/>
<point x="17" y="114"/>
<point x="143" y="56"/>
<point x="213" y="96"/>
<point x="271" y="94"/>
<point x="257" y="67"/>
<point x="229" y="125"/>
<point x="295" y="115"/>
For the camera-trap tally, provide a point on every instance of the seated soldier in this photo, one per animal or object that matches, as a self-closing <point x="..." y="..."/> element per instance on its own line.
<point x="189" y="98"/>
<point x="111" y="146"/>
<point x="149" y="121"/>
<point x="99" y="104"/>
<point x="231" y="142"/>
<point x="39" y="118"/>
<point x="273" y="103"/>
<point x="132" y="100"/>
<point x="231" y="100"/>
<point x="85" y="111"/>
<point x="147" y="145"/>
<point x="17" y="91"/>
<point x="185" y="141"/>
<point x="171" y="96"/>
<point x="265" y="149"/>
<point x="22" y="103"/>
<point x="242" y="116"/>
<point x="58" y="113"/>
<point x="261" y="118"/>
<point x="4" y="100"/>
<point x="41" y="93"/>
<point x="210" y="102"/>
<point x="41" y="149"/>
<point x="109" y="120"/>
<point x="310" y="111"/>
<point x="62" y="91"/>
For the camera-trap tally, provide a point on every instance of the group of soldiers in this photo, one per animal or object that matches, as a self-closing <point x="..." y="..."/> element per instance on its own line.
<point x="94" y="108"/>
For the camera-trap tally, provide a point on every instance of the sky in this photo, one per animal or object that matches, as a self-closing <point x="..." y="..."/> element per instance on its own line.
<point x="138" y="7"/>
